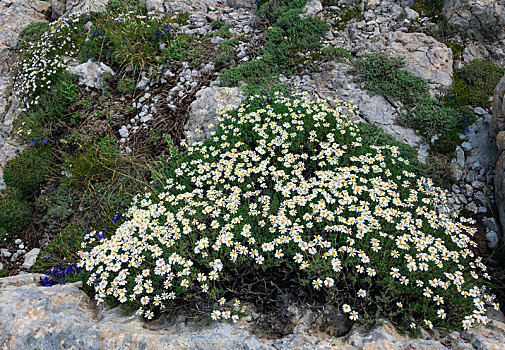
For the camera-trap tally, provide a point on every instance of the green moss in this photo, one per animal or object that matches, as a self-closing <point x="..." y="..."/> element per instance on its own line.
<point x="272" y="10"/>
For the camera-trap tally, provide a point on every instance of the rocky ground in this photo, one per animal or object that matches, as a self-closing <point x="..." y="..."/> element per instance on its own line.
<point x="63" y="316"/>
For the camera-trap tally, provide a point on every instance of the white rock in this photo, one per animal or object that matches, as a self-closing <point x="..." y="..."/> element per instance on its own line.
<point x="30" y="258"/>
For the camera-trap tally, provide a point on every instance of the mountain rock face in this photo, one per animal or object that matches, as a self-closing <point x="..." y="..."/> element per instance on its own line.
<point x="484" y="18"/>
<point x="14" y="16"/>
<point x="498" y="129"/>
<point x="63" y="317"/>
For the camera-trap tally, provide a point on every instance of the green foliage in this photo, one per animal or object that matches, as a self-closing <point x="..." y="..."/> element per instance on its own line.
<point x="253" y="72"/>
<point x="29" y="170"/>
<point x="228" y="45"/>
<point x="222" y="60"/>
<point x="456" y="49"/>
<point x="474" y="84"/>
<point x="183" y="48"/>
<point x="3" y="273"/>
<point x="337" y="206"/>
<point x="274" y="9"/>
<point x="58" y="206"/>
<point x="428" y="8"/>
<point x="286" y="40"/>
<point x="61" y="250"/>
<point x="383" y="75"/>
<point x="216" y="24"/>
<point x="91" y="164"/>
<point x="32" y="33"/>
<point x="430" y="117"/>
<point x="338" y="54"/>
<point x="126" y="85"/>
<point x="15" y="213"/>
<point x="223" y="31"/>
<point x="131" y="37"/>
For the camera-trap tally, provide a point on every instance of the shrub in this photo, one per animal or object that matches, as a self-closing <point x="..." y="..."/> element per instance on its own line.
<point x="15" y="213"/>
<point x="274" y="9"/>
<point x="31" y="34"/>
<point x="431" y="117"/>
<point x="292" y="183"/>
<point x="29" y="170"/>
<point x="338" y="54"/>
<point x="222" y="60"/>
<point x="474" y="84"/>
<point x="126" y="85"/>
<point x="383" y="75"/>
<point x="291" y="36"/>
<point x="41" y="63"/>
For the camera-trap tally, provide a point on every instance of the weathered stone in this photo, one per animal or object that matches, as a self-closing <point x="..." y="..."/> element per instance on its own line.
<point x="312" y="8"/>
<point x="62" y="316"/>
<point x="91" y="73"/>
<point x="30" y="258"/>
<point x="484" y="18"/>
<point x="65" y="7"/>
<point x="490" y="223"/>
<point x="204" y="110"/>
<point x="492" y="238"/>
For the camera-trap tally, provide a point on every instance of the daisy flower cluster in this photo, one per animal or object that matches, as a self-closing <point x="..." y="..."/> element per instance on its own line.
<point x="42" y="60"/>
<point x="295" y="182"/>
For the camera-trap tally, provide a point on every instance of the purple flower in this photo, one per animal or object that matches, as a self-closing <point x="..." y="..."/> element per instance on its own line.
<point x="47" y="256"/>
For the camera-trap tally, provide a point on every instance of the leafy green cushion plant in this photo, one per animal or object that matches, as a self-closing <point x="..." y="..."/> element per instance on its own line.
<point x="29" y="170"/>
<point x="474" y="84"/>
<point x="15" y="213"/>
<point x="429" y="117"/>
<point x="383" y="75"/>
<point x="293" y="182"/>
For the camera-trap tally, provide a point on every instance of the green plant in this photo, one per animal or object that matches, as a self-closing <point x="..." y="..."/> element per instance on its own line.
<point x="227" y="45"/>
<point x="216" y="24"/>
<point x="456" y="49"/>
<point x="61" y="250"/>
<point x="430" y="117"/>
<point x="57" y="205"/>
<point x="302" y="194"/>
<point x="92" y="164"/>
<point x="29" y="170"/>
<point x="338" y="54"/>
<point x="131" y="37"/>
<point x="15" y="213"/>
<point x="383" y="75"/>
<point x="222" y="60"/>
<point x="290" y="37"/>
<point x="126" y="85"/>
<point x="32" y="33"/>
<point x="474" y="84"/>
<point x="273" y="9"/>
<point x="223" y="31"/>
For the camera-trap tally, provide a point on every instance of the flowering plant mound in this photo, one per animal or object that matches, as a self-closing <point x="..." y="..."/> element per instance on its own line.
<point x="293" y="182"/>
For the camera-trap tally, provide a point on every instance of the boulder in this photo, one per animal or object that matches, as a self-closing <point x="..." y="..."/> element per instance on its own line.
<point x="205" y="108"/>
<point x="483" y="18"/>
<point x="63" y="317"/>
<point x="312" y="8"/>
<point x="65" y="7"/>
<point x="426" y="57"/>
<point x="91" y="73"/>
